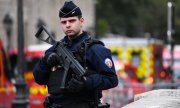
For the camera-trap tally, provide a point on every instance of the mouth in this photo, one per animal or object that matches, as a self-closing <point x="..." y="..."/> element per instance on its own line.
<point x="69" y="31"/>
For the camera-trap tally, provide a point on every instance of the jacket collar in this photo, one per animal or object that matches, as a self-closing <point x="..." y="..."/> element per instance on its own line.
<point x="81" y="37"/>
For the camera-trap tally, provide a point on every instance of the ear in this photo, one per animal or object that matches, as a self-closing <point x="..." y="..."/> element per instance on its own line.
<point x="81" y="20"/>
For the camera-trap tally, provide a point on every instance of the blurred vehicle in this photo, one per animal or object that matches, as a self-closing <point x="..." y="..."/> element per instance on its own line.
<point x="125" y="71"/>
<point x="138" y="64"/>
<point x="32" y="54"/>
<point x="37" y="93"/>
<point x="142" y="55"/>
<point x="171" y="59"/>
<point x="7" y="89"/>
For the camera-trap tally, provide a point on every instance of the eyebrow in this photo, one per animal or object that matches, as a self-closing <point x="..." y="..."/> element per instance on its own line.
<point x="68" y="20"/>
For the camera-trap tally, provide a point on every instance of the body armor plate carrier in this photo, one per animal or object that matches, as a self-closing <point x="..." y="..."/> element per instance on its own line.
<point x="56" y="76"/>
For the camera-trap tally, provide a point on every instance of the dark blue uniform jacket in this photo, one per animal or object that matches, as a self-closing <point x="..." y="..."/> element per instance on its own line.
<point x="100" y="60"/>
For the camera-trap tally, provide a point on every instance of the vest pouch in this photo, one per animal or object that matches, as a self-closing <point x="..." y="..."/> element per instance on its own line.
<point x="55" y="81"/>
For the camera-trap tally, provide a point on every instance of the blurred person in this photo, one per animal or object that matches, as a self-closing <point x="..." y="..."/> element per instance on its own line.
<point x="94" y="57"/>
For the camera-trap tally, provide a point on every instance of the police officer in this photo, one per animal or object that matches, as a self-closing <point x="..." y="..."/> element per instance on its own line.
<point x="95" y="58"/>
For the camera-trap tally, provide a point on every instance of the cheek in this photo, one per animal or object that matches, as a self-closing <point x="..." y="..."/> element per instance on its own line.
<point x="75" y="26"/>
<point x="63" y="28"/>
<point x="79" y="25"/>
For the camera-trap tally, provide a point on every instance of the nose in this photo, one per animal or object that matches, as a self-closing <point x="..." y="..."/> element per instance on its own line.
<point x="67" y="24"/>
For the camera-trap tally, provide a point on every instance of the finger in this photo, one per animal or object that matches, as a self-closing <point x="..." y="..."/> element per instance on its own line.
<point x="73" y="75"/>
<point x="71" y="83"/>
<point x="75" y="81"/>
<point x="72" y="87"/>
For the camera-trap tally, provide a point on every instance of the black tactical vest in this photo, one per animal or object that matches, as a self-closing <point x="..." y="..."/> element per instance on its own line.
<point x="55" y="78"/>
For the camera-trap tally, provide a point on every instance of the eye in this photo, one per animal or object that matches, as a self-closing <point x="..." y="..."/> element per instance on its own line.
<point x="63" y="22"/>
<point x="73" y="20"/>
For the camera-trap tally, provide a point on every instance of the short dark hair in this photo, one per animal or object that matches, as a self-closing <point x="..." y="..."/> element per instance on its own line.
<point x="79" y="16"/>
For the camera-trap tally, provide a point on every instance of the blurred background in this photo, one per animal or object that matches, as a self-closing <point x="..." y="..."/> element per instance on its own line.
<point x="36" y="13"/>
<point x="142" y="35"/>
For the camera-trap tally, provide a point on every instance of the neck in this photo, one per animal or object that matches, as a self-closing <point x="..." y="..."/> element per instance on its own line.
<point x="76" y="35"/>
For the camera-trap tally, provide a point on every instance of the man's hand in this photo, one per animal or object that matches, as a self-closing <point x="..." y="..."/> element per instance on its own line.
<point x="75" y="85"/>
<point x="52" y="59"/>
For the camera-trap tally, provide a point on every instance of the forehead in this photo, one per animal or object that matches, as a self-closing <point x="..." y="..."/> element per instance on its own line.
<point x="69" y="18"/>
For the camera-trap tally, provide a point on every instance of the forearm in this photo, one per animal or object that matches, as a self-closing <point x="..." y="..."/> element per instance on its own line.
<point x="101" y="82"/>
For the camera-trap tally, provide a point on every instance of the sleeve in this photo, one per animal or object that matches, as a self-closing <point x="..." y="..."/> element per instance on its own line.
<point x="42" y="70"/>
<point x="101" y="60"/>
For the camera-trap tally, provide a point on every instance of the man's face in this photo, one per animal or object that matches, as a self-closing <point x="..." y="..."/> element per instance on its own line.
<point x="72" y="26"/>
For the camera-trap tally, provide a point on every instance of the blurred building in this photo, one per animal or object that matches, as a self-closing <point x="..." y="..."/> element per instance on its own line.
<point x="38" y="12"/>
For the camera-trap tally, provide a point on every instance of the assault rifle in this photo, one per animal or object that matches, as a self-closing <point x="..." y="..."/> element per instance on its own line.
<point x="69" y="61"/>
